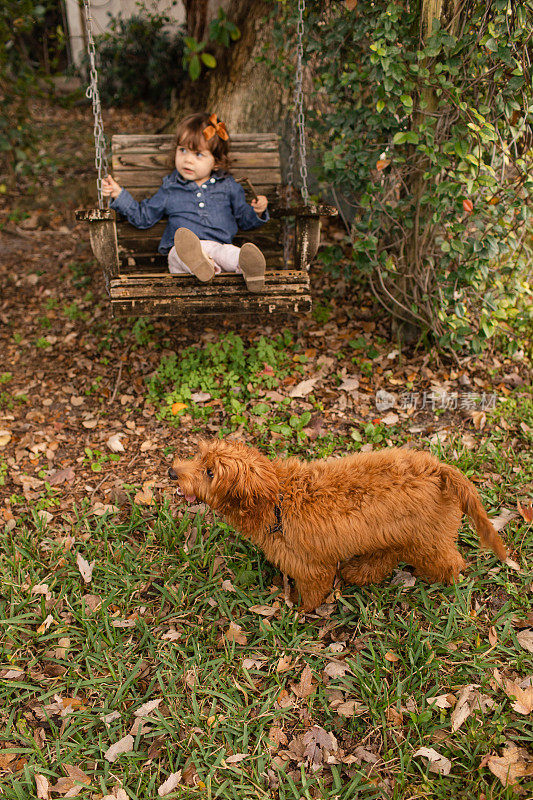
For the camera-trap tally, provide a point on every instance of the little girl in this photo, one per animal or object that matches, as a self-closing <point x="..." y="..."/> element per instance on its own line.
<point x="205" y="207"/>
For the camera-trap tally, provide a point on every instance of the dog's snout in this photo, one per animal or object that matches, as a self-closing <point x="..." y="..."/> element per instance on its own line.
<point x="172" y="474"/>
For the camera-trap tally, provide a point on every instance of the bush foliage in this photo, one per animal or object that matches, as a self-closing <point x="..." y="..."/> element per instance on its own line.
<point x="140" y="58"/>
<point x="430" y="133"/>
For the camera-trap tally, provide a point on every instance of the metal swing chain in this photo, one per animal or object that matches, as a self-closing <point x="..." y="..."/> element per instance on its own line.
<point x="298" y="117"/>
<point x="297" y="126"/>
<point x="93" y="94"/>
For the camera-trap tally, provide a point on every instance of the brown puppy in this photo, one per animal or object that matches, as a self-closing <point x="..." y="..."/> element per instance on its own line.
<point x="366" y="511"/>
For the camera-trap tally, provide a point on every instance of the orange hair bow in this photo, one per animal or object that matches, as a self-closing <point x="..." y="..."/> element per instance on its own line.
<point x="216" y="127"/>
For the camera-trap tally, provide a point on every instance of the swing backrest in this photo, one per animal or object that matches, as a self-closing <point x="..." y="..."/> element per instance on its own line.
<point x="141" y="161"/>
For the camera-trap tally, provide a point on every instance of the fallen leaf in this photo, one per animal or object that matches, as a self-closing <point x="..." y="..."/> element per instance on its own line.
<point x="235" y="634"/>
<point x="227" y="586"/>
<point x="525" y="640"/>
<point x="147" y="708"/>
<point x="86" y="569"/>
<point x="5" y="437"/>
<point x="403" y="578"/>
<point x="505" y="516"/>
<point x="124" y="745"/>
<point x="92" y="601"/>
<point x="350" y="707"/>
<point x="46" y="624"/>
<point x="114" y="443"/>
<point x="437" y="763"/>
<point x="200" y="397"/>
<point x="99" y="509"/>
<point x="392" y="657"/>
<point x="442" y="701"/>
<point x="43" y="787"/>
<point x="514" y="763"/>
<point x="11" y="674"/>
<point x="45" y="516"/>
<point x="107" y="719"/>
<point x="390" y="419"/>
<point x="170" y="784"/>
<point x="348" y="385"/>
<point x="235" y="758"/>
<point x="265" y="611"/>
<point x="284" y="664"/>
<point x="177" y="407"/>
<point x="41" y="588"/>
<point x="336" y="669"/>
<point x="303" y="388"/>
<point x="145" y="496"/>
<point x="493" y="636"/>
<point x="525" y="508"/>
<point x="523" y="698"/>
<point x="305" y="687"/>
<point x="61" y="476"/>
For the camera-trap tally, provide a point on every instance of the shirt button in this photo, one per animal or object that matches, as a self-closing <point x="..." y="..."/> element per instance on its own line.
<point x="211" y="180"/>
<point x="201" y="205"/>
<point x="204" y="185"/>
<point x="198" y="194"/>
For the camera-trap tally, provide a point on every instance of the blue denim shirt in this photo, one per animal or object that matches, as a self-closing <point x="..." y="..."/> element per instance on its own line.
<point x="215" y="210"/>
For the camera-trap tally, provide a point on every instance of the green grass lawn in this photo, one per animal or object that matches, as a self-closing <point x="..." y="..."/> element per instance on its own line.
<point x="257" y="700"/>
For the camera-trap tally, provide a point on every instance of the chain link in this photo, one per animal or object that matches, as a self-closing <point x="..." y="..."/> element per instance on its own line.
<point x="297" y="140"/>
<point x="93" y="95"/>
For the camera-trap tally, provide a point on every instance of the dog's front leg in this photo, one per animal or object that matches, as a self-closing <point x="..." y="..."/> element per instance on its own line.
<point x="315" y="586"/>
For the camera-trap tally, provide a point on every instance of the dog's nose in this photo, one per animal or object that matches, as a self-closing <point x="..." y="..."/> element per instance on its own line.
<point x="172" y="474"/>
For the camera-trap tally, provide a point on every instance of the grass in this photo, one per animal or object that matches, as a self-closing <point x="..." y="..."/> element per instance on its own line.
<point x="159" y="574"/>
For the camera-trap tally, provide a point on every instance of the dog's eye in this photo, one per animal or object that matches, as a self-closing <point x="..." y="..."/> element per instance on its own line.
<point x="209" y="473"/>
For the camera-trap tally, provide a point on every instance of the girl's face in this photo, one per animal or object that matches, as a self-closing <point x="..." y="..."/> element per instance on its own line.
<point x="194" y="165"/>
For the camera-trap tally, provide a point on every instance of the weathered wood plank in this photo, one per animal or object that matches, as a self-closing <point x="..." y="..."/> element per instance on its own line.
<point x="178" y="285"/>
<point x="254" y="305"/>
<point x="146" y="143"/>
<point x="164" y="161"/>
<point x="268" y="176"/>
<point x="270" y="190"/>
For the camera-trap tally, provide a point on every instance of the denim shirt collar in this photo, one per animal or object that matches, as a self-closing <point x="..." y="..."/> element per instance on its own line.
<point x="177" y="178"/>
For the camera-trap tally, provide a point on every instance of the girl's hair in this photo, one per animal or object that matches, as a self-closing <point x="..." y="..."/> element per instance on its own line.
<point x="189" y="133"/>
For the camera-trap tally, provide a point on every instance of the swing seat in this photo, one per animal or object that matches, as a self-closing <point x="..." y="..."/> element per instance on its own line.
<point x="136" y="275"/>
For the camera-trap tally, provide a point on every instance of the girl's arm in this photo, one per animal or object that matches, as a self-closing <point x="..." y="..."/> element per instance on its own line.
<point x="245" y="216"/>
<point x="143" y="214"/>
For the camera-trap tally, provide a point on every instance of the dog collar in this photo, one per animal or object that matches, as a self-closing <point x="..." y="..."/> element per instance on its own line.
<point x="278" y="527"/>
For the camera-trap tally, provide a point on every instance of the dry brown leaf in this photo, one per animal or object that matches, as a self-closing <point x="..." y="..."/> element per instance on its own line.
<point x="525" y="640"/>
<point x="236" y="758"/>
<point x="147" y="708"/>
<point x="145" y="497"/>
<point x="523" y="698"/>
<point x="514" y="763"/>
<point x="493" y="636"/>
<point x="11" y="674"/>
<point x="265" y="611"/>
<point x="46" y="624"/>
<point x="303" y="388"/>
<point x="170" y="784"/>
<point x="284" y="664"/>
<point x="114" y="443"/>
<point x="305" y="687"/>
<point x="276" y="737"/>
<point x="43" y="787"/>
<point x="336" y="669"/>
<point x="525" y="509"/>
<point x="392" y="657"/>
<point x="437" y="763"/>
<point x="5" y="437"/>
<point x="350" y="708"/>
<point x="92" y="601"/>
<point x="227" y="586"/>
<point x="124" y="745"/>
<point x="442" y="701"/>
<point x="235" y="634"/>
<point x="86" y="569"/>
<point x="505" y="516"/>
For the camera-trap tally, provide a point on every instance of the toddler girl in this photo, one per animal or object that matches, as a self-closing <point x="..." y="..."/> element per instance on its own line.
<point x="205" y="207"/>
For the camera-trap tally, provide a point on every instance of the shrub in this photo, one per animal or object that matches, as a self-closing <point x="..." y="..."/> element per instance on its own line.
<point x="429" y="131"/>
<point x="139" y="59"/>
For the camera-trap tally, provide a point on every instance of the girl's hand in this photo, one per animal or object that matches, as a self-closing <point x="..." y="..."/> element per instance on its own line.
<point x="110" y="187"/>
<point x="260" y="204"/>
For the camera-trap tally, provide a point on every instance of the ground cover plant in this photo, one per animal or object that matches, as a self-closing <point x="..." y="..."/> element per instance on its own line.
<point x="132" y="623"/>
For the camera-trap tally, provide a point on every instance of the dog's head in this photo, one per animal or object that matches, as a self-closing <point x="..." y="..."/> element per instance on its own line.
<point x="229" y="477"/>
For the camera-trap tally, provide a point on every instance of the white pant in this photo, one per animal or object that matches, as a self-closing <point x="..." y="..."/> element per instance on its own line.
<point x="224" y="256"/>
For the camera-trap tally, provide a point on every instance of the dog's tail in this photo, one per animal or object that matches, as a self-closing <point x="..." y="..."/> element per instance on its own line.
<point x="456" y="483"/>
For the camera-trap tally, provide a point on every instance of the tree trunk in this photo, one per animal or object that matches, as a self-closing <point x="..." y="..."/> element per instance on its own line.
<point x="239" y="90"/>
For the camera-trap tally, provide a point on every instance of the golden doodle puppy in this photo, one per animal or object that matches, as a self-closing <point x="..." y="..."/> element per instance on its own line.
<point x="363" y="513"/>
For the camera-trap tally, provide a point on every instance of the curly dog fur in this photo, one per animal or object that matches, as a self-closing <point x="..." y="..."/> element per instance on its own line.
<point x="364" y="512"/>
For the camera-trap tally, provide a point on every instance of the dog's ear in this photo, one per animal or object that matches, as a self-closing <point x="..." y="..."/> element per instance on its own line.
<point x="247" y="479"/>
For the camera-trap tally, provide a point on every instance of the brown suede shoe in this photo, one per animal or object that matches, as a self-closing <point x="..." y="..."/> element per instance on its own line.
<point x="190" y="251"/>
<point x="252" y="262"/>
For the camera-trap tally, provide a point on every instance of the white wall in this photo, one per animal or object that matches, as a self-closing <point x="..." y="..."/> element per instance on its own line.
<point x="100" y="10"/>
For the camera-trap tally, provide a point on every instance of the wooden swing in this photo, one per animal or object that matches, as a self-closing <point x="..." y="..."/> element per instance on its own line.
<point x="136" y="276"/>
